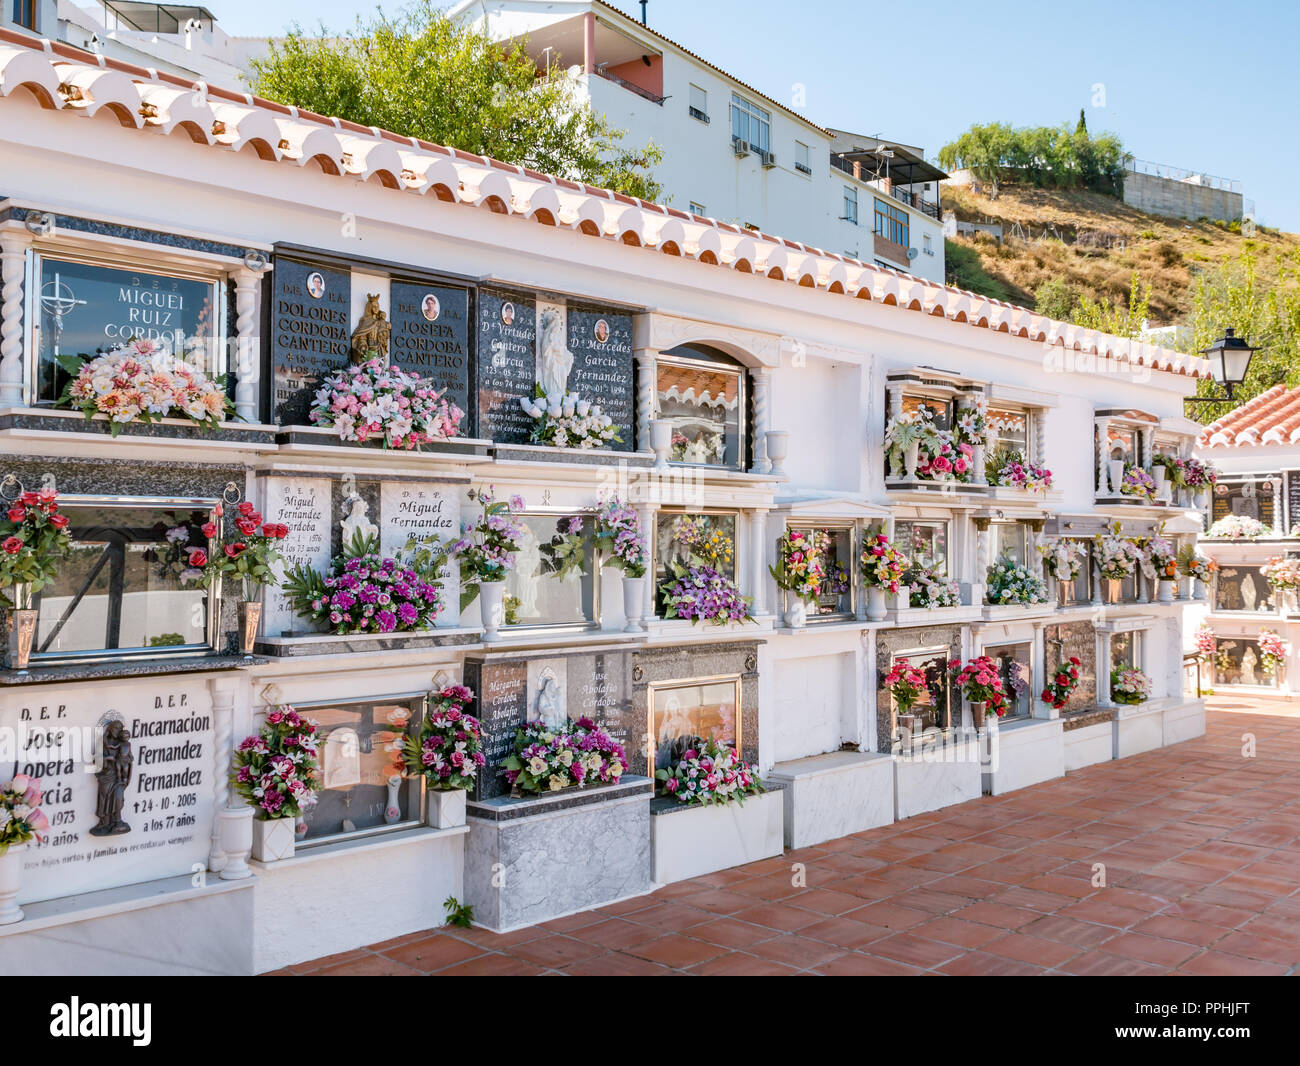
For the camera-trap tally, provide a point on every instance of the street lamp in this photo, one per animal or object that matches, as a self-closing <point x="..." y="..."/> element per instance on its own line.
<point x="1229" y="358"/>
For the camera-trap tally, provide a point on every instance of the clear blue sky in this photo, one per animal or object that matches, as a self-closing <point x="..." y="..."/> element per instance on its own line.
<point x="1197" y="84"/>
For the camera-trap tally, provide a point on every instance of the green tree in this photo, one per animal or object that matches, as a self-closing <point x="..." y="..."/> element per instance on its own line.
<point x="1055" y="299"/>
<point x="1121" y="320"/>
<point x="1044" y="156"/>
<point x="422" y="75"/>
<point x="1082" y="126"/>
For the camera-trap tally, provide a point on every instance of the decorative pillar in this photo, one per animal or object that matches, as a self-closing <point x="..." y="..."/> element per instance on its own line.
<point x="223" y="720"/>
<point x="646" y="371"/>
<point x="1103" y="669"/>
<point x="762" y="378"/>
<point x="589" y="42"/>
<point x="1279" y="524"/>
<point x="246" y="361"/>
<point x="758" y="564"/>
<point x="1038" y="427"/>
<point x="1100" y="426"/>
<point x="1095" y="576"/>
<point x="645" y="516"/>
<point x="13" y="267"/>
<point x="979" y="580"/>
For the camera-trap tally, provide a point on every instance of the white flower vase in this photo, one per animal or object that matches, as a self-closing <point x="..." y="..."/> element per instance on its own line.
<point x="977" y="461"/>
<point x="778" y="447"/>
<point x="235" y="838"/>
<point x="876" y="605"/>
<point x="661" y="441"/>
<point x="911" y="456"/>
<point x="1166" y="593"/>
<point x="796" y="613"/>
<point x="1161" y="478"/>
<point x="447" y="807"/>
<point x="273" y="839"/>
<point x="11" y="880"/>
<point x="491" y="599"/>
<point x="392" y="812"/>
<point x="634" y="603"/>
<point x="1201" y="498"/>
<point x="1116" y="468"/>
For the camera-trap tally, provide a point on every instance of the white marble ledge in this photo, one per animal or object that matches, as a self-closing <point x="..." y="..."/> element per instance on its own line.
<point x="673" y="629"/>
<point x="1024" y="728"/>
<point x="819" y="765"/>
<point x="310" y="639"/>
<point x="359" y="845"/>
<point x="513" y="641"/>
<point x="906" y="617"/>
<point x="1151" y="706"/>
<point x="51" y="913"/>
<point x="839" y="625"/>
<point x="1015" y="612"/>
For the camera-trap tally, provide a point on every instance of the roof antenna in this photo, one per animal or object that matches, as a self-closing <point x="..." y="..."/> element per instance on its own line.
<point x="643" y="4"/>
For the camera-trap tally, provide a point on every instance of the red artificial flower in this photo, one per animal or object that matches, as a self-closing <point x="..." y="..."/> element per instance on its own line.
<point x="17" y="513"/>
<point x="59" y="521"/>
<point x="198" y="558"/>
<point x="30" y="499"/>
<point x="12" y="545"/>
<point x="218" y="511"/>
<point x="232" y="550"/>
<point x="246" y="526"/>
<point x="245" y="508"/>
<point x="209" y="529"/>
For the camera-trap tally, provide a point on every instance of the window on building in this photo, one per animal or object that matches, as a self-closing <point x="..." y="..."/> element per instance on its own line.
<point x="698" y="209"/>
<point x="1237" y="662"/>
<point x="554" y="579"/>
<point x="693" y="539"/>
<point x="1241" y="588"/>
<point x="25" y="14"/>
<point x="1008" y="430"/>
<point x="1122" y="444"/>
<point x="802" y="158"/>
<point x="1015" y="664"/>
<point x="84" y="309"/>
<point x="891" y="222"/>
<point x="836" y="544"/>
<point x="941" y="411"/>
<point x="751" y="123"/>
<point x="699" y="105"/>
<point x="128" y="588"/>
<point x="928" y="246"/>
<point x="702" y="395"/>
<point x="924" y="543"/>
<point x="850" y="204"/>
<point x="1251" y="497"/>
<point x="360" y="793"/>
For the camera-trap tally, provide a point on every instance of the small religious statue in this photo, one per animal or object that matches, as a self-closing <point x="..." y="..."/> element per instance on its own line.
<point x="112" y="778"/>
<point x="357" y="520"/>
<point x="554" y="360"/>
<point x="370" y="338"/>
<point x="1249" y="664"/>
<point x="548" y="700"/>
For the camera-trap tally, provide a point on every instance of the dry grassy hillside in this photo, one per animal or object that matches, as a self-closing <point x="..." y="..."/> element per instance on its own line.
<point x="1094" y="243"/>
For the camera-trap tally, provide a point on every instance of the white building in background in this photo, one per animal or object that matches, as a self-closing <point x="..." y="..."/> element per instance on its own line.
<point x="730" y="151"/>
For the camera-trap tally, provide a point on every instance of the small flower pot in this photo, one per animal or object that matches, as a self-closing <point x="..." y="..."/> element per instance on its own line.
<point x="1067" y="592"/>
<point x="1116" y="468"/>
<point x="979" y="712"/>
<point x="235" y="839"/>
<point x="11" y="880"/>
<point x="1166" y="592"/>
<point x="250" y="618"/>
<point x="634" y="603"/>
<point x="273" y="839"/>
<point x="491" y="598"/>
<point x="1161" y="478"/>
<point x="778" y="447"/>
<point x="876" y="607"/>
<point x="796" y="614"/>
<point x="392" y="811"/>
<point x="661" y="441"/>
<point x="1114" y="590"/>
<point x="22" y="634"/>
<point x="447" y="807"/>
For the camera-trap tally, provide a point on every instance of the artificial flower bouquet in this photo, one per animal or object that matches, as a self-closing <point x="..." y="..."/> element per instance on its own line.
<point x="882" y="565"/>
<point x="1062" y="683"/>
<point x="1163" y="559"/>
<point x="696" y="588"/>
<point x="21" y="817"/>
<point x="1011" y="469"/>
<point x="981" y="682"/>
<point x="800" y="565"/>
<point x="249" y="557"/>
<point x="1117" y="557"/>
<point x="579" y="753"/>
<point x="488" y="545"/>
<point x="906" y="684"/>
<point x="1238" y="527"/>
<point x="1129" y="686"/>
<point x="570" y="422"/>
<point x="944" y="458"/>
<point x="1009" y="582"/>
<point x="277" y="769"/>
<point x="1137" y="482"/>
<point x="1193" y="564"/>
<point x="141" y="381"/>
<point x="931" y="587"/>
<point x="1196" y="474"/>
<point x="447" y="751"/>
<point x="34" y="541"/>
<point x="375" y="401"/>
<point x="1273" y="651"/>
<point x="904" y="430"/>
<point x="1204" y="640"/>
<point x="1282" y="573"/>
<point x="1062" y="559"/>
<point x="618" y="535"/>
<point x="709" y="773"/>
<point x="972" y="425"/>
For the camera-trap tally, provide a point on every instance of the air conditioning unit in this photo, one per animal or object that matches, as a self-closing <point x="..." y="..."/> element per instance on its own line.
<point x="912" y="253"/>
<point x="740" y="146"/>
<point x="769" y="160"/>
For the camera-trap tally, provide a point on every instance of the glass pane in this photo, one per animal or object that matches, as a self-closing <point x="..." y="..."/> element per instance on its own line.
<point x="836" y="545"/>
<point x="86" y="310"/>
<point x="1008" y="430"/>
<point x="709" y="710"/>
<point x="1009" y="540"/>
<point x="1242" y="588"/>
<point x="548" y="585"/>
<point x="695" y="540"/>
<point x="1251" y="498"/>
<point x="1121" y="444"/>
<point x="1124" y="651"/>
<point x="360" y="789"/>
<point x="939" y="409"/>
<point x="703" y="405"/>
<point x="127" y="583"/>
<point x="1015" y="666"/>
<point x="931" y="710"/>
<point x="924" y="543"/>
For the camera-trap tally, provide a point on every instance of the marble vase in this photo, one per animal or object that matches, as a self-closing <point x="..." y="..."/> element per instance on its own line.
<point x="876" y="606"/>
<point x="11" y="880"/>
<point x="491" y="598"/>
<point x="273" y="839"/>
<point x="447" y="807"/>
<point x="634" y="603"/>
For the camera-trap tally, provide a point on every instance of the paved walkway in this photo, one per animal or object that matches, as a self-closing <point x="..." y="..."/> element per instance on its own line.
<point x="1201" y="847"/>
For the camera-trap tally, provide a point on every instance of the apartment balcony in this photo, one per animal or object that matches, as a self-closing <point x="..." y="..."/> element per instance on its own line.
<point x="632" y="87"/>
<point x="915" y="201"/>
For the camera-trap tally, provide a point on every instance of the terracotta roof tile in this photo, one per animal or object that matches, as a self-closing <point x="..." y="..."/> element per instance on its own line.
<point x="1271" y="417"/>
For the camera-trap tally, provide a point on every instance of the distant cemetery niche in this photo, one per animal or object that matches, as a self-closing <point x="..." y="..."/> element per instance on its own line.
<point x="1074" y="640"/>
<point x="1246" y="497"/>
<point x="431" y="335"/>
<point x="1237" y="661"/>
<point x="310" y="333"/>
<point x="85" y="310"/>
<point x="1242" y="588"/>
<point x="704" y="401"/>
<point x="706" y="709"/>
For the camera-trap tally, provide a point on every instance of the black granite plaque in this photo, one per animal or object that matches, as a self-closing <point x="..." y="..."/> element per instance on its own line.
<point x="506" y="364"/>
<point x="431" y="336"/>
<point x="310" y="333"/>
<point x="603" y="371"/>
<point x="501" y="705"/>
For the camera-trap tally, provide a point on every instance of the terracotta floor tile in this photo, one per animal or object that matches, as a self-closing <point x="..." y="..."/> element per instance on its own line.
<point x="1155" y="950"/>
<point x="1169" y="927"/>
<point x="556" y="951"/>
<point x="434" y="952"/>
<point x="677" y="951"/>
<point x="797" y="951"/>
<point x="956" y="931"/>
<point x="778" y="917"/>
<point x="997" y="915"/>
<point x="860" y="965"/>
<point x="978" y="963"/>
<point x="1262" y="948"/>
<point x="1103" y="913"/>
<point x="845" y="933"/>
<point x="915" y="950"/>
<point x="1102" y="964"/>
<point x="741" y="964"/>
<point x="616" y="964"/>
<point x="888" y="916"/>
<point x="730" y="933"/>
<point x="1035" y="950"/>
<point x="491" y="966"/>
<point x="368" y="966"/>
<point x="1217" y="964"/>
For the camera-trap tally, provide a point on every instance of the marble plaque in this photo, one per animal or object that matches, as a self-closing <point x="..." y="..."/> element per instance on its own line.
<point x="501" y="705"/>
<point x="310" y="334"/>
<point x="167" y="801"/>
<point x="422" y="509"/>
<point x="431" y="337"/>
<point x="304" y="505"/>
<point x="603" y="370"/>
<point x="506" y="364"/>
<point x="1077" y="640"/>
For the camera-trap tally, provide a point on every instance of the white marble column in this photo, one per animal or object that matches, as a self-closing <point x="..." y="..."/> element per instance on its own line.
<point x="646" y="370"/>
<point x="223" y="720"/>
<point x="1100" y="426"/>
<point x="247" y="365"/>
<point x="645" y="515"/>
<point x="13" y="266"/>
<point x="1103" y="670"/>
<point x="758" y="560"/>
<point x="1038" y="427"/>
<point x="762" y="378"/>
<point x="1279" y="519"/>
<point x="870" y="739"/>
